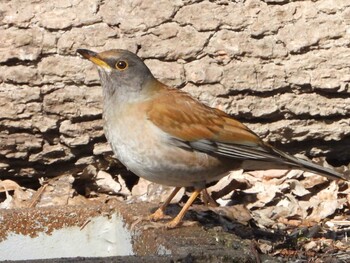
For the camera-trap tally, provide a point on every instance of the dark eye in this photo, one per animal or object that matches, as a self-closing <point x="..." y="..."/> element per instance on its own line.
<point x="121" y="65"/>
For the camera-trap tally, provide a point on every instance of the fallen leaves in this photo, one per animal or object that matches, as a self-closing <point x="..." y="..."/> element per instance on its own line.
<point x="312" y="212"/>
<point x="281" y="199"/>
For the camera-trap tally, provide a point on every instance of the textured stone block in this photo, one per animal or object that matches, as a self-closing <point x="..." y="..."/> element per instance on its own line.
<point x="282" y="67"/>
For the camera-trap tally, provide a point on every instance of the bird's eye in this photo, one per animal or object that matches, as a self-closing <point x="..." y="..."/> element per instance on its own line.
<point x="121" y="65"/>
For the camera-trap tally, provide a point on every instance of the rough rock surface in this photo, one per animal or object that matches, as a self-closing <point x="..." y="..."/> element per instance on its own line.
<point x="282" y="67"/>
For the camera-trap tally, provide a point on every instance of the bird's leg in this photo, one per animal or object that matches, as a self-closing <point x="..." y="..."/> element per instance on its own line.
<point x="176" y="221"/>
<point x="207" y="199"/>
<point x="159" y="213"/>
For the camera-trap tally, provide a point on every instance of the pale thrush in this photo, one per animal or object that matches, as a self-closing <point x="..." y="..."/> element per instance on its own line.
<point x="165" y="136"/>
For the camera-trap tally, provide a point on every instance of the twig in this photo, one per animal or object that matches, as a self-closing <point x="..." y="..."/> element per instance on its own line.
<point x="37" y="196"/>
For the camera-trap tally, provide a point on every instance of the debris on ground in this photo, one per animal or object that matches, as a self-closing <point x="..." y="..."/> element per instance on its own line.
<point x="289" y="214"/>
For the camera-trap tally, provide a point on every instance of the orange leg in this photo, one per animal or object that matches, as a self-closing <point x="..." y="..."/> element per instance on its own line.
<point x="177" y="220"/>
<point x="159" y="213"/>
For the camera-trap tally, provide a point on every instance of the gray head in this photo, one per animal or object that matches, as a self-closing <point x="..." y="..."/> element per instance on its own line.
<point x="123" y="74"/>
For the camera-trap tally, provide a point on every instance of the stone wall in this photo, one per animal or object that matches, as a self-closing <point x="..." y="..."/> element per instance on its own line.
<point x="280" y="66"/>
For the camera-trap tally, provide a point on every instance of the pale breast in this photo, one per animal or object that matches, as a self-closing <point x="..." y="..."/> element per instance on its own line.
<point x="148" y="152"/>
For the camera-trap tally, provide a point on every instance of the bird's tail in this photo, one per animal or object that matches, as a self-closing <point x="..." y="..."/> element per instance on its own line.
<point x="312" y="167"/>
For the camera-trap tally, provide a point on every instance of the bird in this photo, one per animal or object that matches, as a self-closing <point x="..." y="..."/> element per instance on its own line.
<point x="166" y="136"/>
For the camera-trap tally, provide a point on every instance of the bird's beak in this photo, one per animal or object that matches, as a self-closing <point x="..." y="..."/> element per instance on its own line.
<point x="93" y="57"/>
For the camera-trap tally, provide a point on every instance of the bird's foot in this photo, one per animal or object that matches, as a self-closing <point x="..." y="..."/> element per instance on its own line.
<point x="157" y="215"/>
<point x="174" y="224"/>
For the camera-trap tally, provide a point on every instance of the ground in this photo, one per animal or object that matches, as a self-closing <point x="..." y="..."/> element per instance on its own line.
<point x="266" y="216"/>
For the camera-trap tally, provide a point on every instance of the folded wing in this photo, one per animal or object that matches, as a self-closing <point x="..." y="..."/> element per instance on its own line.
<point x="194" y="126"/>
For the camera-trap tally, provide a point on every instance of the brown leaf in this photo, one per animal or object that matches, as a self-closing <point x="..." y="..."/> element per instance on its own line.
<point x="106" y="183"/>
<point x="325" y="202"/>
<point x="236" y="213"/>
<point x="57" y="192"/>
<point x="298" y="188"/>
<point x="312" y="180"/>
<point x="8" y="185"/>
<point x="265" y="194"/>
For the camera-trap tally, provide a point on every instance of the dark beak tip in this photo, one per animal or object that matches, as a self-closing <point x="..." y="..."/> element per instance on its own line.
<point x="86" y="53"/>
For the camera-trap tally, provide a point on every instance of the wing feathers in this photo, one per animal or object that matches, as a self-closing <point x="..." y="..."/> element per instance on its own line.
<point x="194" y="126"/>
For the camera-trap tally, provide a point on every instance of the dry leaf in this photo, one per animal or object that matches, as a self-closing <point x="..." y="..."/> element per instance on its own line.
<point x="19" y="196"/>
<point x="224" y="188"/>
<point x="57" y="192"/>
<point x="8" y="185"/>
<point x="298" y="188"/>
<point x="269" y="174"/>
<point x="324" y="203"/>
<point x="312" y="179"/>
<point x="139" y="191"/>
<point x="106" y="183"/>
<point x="265" y="194"/>
<point x="22" y="197"/>
<point x="124" y="189"/>
<point x="236" y="213"/>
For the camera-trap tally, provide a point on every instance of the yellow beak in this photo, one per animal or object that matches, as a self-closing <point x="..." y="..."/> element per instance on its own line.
<point x="93" y="57"/>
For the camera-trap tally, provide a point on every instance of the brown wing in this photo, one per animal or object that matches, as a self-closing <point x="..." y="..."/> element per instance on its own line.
<point x="205" y="129"/>
<point x="180" y="115"/>
<point x="193" y="125"/>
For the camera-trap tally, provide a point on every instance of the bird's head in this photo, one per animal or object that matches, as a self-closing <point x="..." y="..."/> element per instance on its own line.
<point x="121" y="72"/>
